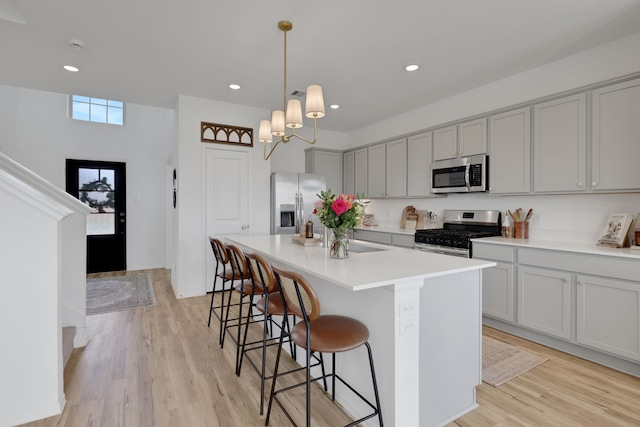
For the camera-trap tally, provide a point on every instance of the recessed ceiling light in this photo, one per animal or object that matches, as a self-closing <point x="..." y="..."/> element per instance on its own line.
<point x="234" y="86"/>
<point x="412" y="67"/>
<point x="71" y="68"/>
<point x="334" y="106"/>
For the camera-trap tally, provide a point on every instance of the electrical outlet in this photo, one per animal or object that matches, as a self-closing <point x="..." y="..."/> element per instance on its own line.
<point x="536" y="218"/>
<point x="408" y="326"/>
<point x="407" y="308"/>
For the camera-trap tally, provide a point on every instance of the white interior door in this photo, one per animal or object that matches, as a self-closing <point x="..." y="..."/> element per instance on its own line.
<point x="226" y="198"/>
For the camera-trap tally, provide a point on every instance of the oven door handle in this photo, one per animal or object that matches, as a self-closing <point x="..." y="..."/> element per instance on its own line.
<point x="467" y="182"/>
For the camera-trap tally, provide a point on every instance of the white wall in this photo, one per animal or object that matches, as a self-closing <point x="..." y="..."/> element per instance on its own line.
<point x="191" y="242"/>
<point x="606" y="62"/>
<point x="31" y="360"/>
<point x="574" y="217"/>
<point x="577" y="218"/>
<point x="35" y="130"/>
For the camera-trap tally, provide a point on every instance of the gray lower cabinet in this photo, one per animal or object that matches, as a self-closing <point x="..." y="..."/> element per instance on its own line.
<point x="404" y="240"/>
<point x="583" y="303"/>
<point x="608" y="315"/>
<point x="498" y="292"/>
<point x="544" y="301"/>
<point x="373" y="236"/>
<point x="498" y="283"/>
<point x="386" y="238"/>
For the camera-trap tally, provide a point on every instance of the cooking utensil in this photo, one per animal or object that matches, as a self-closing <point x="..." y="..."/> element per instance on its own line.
<point x="519" y="214"/>
<point x="513" y="217"/>
<point x="528" y="217"/>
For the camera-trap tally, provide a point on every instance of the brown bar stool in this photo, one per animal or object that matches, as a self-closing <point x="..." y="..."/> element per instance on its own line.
<point x="270" y="305"/>
<point x="322" y="334"/>
<point x="246" y="288"/>
<point x="222" y="261"/>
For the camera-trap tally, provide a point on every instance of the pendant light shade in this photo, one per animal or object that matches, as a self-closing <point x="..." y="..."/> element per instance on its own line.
<point x="294" y="114"/>
<point x="315" y="102"/>
<point x="264" y="133"/>
<point x="291" y="115"/>
<point x="277" y="123"/>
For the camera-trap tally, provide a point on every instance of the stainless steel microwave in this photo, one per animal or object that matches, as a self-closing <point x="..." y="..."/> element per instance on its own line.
<point x="461" y="175"/>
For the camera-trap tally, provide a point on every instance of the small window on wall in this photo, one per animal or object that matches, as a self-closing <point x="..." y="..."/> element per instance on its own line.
<point x="97" y="110"/>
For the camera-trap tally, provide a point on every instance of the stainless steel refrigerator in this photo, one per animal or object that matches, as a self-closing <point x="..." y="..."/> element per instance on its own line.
<point x="292" y="199"/>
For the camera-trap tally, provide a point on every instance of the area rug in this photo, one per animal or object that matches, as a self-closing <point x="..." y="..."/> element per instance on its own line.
<point x="108" y="294"/>
<point x="502" y="362"/>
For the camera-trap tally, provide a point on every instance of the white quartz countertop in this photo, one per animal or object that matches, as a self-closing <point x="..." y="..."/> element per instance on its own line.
<point x="392" y="265"/>
<point x="577" y="247"/>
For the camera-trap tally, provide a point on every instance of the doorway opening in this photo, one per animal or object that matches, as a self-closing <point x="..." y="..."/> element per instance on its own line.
<point x="102" y="186"/>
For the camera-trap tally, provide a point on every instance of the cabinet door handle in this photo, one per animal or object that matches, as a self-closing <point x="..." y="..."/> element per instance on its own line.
<point x="580" y="184"/>
<point x="594" y="184"/>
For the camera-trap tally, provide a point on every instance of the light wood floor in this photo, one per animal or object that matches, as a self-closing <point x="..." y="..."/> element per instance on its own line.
<point x="162" y="366"/>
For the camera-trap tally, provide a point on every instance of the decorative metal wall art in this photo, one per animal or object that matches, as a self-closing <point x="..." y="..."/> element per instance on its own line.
<point x="226" y="134"/>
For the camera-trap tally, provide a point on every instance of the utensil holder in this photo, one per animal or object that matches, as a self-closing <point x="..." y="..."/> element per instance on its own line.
<point x="521" y="230"/>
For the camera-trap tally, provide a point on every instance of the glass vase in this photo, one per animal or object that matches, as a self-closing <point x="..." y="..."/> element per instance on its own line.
<point x="339" y="244"/>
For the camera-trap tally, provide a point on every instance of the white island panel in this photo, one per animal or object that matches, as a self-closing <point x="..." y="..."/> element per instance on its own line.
<point x="423" y="314"/>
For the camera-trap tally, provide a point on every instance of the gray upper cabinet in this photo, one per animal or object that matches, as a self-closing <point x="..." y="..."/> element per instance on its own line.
<point x="419" y="165"/>
<point x="615" y="152"/>
<point x="349" y="172"/>
<point x="560" y="145"/>
<point x="445" y="143"/>
<point x="472" y="138"/>
<point x="466" y="139"/>
<point x="387" y="169"/>
<point x="376" y="169"/>
<point x="583" y="142"/>
<point x="327" y="163"/>
<point x="510" y="152"/>
<point x="360" y="172"/>
<point x="396" y="168"/>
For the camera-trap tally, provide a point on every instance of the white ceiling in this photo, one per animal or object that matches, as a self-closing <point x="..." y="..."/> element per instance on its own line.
<point x="149" y="51"/>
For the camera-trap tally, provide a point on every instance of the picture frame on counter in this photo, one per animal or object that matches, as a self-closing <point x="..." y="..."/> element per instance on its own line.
<point x="615" y="232"/>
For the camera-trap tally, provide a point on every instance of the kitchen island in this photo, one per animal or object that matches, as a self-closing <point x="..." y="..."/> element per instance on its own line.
<point x="423" y="312"/>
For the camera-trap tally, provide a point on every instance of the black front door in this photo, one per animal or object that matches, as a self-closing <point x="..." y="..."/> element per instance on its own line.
<point x="101" y="185"/>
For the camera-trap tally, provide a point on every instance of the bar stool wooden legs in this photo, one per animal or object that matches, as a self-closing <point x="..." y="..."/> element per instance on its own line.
<point x="323" y="334"/>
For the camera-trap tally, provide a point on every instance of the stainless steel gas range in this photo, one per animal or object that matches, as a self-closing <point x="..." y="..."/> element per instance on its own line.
<point x="459" y="227"/>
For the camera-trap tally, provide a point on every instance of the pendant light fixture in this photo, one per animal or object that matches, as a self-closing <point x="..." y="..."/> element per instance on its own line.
<point x="291" y="115"/>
